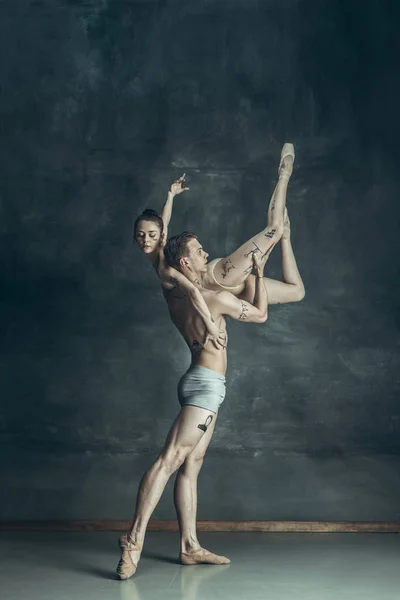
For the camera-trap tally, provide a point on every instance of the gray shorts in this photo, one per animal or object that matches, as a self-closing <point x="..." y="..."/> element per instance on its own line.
<point x="202" y="387"/>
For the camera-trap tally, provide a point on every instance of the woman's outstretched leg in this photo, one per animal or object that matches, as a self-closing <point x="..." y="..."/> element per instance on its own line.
<point x="291" y="288"/>
<point x="233" y="270"/>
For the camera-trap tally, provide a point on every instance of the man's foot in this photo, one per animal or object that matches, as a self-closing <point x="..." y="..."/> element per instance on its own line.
<point x="130" y="555"/>
<point x="287" y="160"/>
<point x="202" y="556"/>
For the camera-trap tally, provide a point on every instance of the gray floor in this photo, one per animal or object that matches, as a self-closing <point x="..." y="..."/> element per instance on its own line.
<point x="273" y="566"/>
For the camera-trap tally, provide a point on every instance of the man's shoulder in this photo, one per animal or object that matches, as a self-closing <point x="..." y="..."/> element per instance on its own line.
<point x="207" y="293"/>
<point x="173" y="294"/>
<point x="215" y="298"/>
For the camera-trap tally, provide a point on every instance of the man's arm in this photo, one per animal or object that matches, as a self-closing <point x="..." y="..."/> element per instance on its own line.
<point x="241" y="310"/>
<point x="175" y="189"/>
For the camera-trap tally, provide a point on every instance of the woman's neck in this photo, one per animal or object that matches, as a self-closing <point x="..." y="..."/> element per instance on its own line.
<point x="154" y="259"/>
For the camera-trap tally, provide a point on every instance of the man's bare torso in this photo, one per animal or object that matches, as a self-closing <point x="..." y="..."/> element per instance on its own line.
<point x="192" y="328"/>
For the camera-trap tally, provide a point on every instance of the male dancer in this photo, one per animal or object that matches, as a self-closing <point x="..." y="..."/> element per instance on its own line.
<point x="201" y="391"/>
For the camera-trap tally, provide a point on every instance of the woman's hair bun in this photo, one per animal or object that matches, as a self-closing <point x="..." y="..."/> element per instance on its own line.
<point x="149" y="212"/>
<point x="149" y="215"/>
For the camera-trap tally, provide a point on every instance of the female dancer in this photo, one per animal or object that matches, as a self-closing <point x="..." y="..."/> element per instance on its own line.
<point x="150" y="233"/>
<point x="233" y="272"/>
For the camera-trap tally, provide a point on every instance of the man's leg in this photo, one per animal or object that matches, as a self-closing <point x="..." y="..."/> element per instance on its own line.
<point x="185" y="491"/>
<point x="185" y="497"/>
<point x="235" y="268"/>
<point x="184" y="435"/>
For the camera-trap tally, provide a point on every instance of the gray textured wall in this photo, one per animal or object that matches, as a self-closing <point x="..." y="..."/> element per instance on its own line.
<point x="103" y="103"/>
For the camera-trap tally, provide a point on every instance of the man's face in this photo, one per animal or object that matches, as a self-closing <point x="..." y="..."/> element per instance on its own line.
<point x="197" y="257"/>
<point x="147" y="236"/>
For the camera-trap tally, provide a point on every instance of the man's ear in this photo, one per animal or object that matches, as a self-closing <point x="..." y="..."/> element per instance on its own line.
<point x="184" y="263"/>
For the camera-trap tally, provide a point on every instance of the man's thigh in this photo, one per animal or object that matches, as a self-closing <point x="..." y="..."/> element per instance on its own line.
<point x="200" y="450"/>
<point x="190" y="427"/>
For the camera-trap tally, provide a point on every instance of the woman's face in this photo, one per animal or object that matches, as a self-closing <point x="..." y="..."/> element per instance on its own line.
<point x="147" y="236"/>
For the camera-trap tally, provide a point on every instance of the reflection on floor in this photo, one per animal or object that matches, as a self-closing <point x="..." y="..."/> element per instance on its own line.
<point x="61" y="566"/>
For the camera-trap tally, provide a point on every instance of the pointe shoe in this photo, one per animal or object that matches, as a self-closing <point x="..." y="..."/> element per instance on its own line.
<point x="287" y="150"/>
<point x="202" y="556"/>
<point x="128" y="562"/>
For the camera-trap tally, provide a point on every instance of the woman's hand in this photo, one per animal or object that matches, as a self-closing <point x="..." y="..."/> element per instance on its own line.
<point x="215" y="336"/>
<point x="176" y="187"/>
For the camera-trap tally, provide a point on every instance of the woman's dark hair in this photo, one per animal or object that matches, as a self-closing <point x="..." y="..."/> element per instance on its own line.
<point x="149" y="215"/>
<point x="176" y="247"/>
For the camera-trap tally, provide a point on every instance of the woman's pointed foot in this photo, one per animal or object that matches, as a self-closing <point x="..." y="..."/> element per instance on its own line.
<point x="287" y="160"/>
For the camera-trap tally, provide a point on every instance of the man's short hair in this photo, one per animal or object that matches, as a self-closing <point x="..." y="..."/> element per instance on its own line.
<point x="176" y="248"/>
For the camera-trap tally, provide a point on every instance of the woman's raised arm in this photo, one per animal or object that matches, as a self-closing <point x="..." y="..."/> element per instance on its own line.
<point x="175" y="189"/>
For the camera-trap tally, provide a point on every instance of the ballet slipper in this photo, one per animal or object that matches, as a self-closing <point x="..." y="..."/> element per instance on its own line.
<point x="202" y="556"/>
<point x="287" y="150"/>
<point x="128" y="562"/>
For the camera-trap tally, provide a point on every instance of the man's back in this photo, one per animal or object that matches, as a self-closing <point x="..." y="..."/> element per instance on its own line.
<point x="193" y="330"/>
